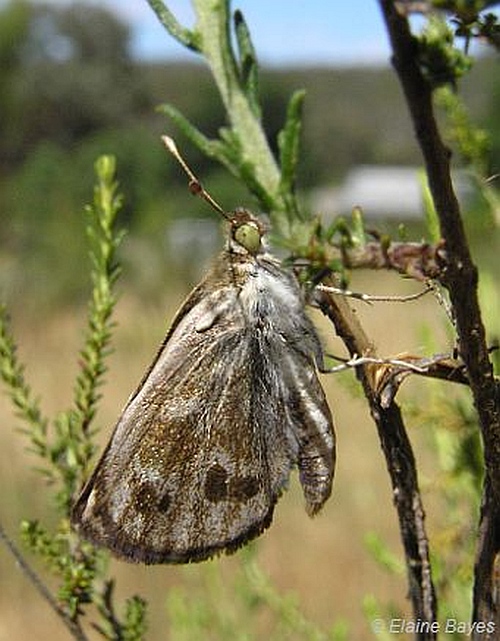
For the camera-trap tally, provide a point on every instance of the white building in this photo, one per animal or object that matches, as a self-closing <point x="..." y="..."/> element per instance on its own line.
<point x="382" y="192"/>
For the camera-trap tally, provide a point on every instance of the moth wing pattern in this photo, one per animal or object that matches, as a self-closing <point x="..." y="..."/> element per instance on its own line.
<point x="183" y="478"/>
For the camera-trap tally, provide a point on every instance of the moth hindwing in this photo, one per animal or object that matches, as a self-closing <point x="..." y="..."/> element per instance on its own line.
<point x="232" y="401"/>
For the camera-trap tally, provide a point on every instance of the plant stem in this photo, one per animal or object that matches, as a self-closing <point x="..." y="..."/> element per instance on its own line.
<point x="400" y="462"/>
<point x="213" y="22"/>
<point x="460" y="278"/>
<point x="42" y="589"/>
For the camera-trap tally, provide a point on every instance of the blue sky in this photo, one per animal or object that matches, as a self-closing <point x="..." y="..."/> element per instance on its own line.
<point x="285" y="32"/>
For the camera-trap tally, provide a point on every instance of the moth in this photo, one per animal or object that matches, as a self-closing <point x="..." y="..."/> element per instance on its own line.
<point x="232" y="402"/>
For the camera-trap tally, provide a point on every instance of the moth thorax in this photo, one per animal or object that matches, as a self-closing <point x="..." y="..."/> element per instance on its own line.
<point x="249" y="236"/>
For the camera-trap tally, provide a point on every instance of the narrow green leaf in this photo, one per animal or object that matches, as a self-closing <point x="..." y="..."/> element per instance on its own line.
<point x="211" y="148"/>
<point x="357" y="232"/>
<point x="289" y="149"/>
<point x="249" y="71"/>
<point x="26" y="406"/>
<point x="430" y="214"/>
<point x="186" y="37"/>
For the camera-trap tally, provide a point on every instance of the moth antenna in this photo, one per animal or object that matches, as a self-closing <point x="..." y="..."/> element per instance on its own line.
<point x="195" y="185"/>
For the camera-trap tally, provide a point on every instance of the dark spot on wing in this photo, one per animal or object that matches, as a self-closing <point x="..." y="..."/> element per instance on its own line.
<point x="144" y="497"/>
<point x="244" y="487"/>
<point x="164" y="502"/>
<point x="147" y="498"/>
<point x="216" y="483"/>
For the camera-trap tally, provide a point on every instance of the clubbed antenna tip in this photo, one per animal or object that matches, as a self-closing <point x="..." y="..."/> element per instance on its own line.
<point x="195" y="185"/>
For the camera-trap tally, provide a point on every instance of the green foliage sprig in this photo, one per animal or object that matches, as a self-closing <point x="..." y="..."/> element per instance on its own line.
<point x="65" y="445"/>
<point x="442" y="63"/>
<point x="471" y="19"/>
<point x="242" y="145"/>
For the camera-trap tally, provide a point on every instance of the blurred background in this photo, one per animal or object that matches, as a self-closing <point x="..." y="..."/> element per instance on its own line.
<point x="79" y="79"/>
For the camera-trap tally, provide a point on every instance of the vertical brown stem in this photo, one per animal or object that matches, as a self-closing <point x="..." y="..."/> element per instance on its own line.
<point x="402" y="470"/>
<point x="460" y="278"/>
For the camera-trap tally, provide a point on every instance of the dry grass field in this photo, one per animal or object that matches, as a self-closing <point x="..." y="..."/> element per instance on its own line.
<point x="323" y="562"/>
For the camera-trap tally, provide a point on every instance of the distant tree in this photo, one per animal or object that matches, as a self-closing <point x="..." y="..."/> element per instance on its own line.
<point x="14" y="32"/>
<point x="66" y="72"/>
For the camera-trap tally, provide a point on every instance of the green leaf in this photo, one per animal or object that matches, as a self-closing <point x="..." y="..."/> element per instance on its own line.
<point x="249" y="71"/>
<point x="289" y="148"/>
<point x="440" y="61"/>
<point x="26" y="406"/>
<point x="186" y="37"/>
<point x="211" y="148"/>
<point x="430" y="215"/>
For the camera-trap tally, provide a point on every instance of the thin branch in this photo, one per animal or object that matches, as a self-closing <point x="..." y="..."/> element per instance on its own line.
<point x="372" y="298"/>
<point x="242" y="145"/>
<point x="41" y="588"/>
<point x="422" y="262"/>
<point x="387" y="377"/>
<point x="460" y="277"/>
<point x="413" y="364"/>
<point x="418" y="260"/>
<point x="26" y="405"/>
<point x="440" y="366"/>
<point x="399" y="459"/>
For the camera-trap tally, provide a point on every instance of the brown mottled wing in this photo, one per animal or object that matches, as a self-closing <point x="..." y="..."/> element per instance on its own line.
<point x="190" y="469"/>
<point x="204" y="448"/>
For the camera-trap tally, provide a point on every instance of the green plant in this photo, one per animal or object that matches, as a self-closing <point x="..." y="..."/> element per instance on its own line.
<point x="65" y="445"/>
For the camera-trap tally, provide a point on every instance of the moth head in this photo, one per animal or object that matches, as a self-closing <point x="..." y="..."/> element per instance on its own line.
<point x="247" y="232"/>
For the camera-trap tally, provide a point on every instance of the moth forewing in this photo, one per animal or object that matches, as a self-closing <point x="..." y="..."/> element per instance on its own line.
<point x="204" y="447"/>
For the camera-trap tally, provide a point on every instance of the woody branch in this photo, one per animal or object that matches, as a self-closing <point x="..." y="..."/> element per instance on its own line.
<point x="460" y="278"/>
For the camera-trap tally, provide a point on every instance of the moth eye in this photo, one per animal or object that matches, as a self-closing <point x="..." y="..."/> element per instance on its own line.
<point x="244" y="487"/>
<point x="216" y="483"/>
<point x="249" y="237"/>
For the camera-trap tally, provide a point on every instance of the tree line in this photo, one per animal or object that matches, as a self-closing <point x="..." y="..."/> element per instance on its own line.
<point x="71" y="90"/>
